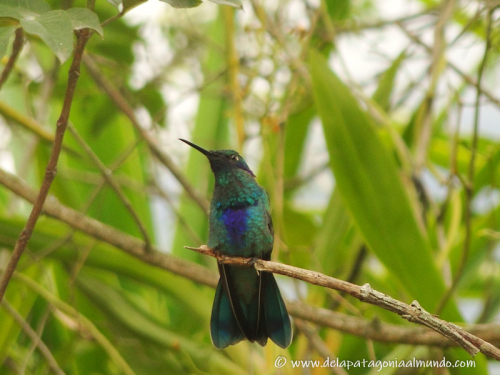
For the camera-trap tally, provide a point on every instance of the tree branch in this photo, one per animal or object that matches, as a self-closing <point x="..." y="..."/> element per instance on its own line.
<point x="120" y="101"/>
<point x="108" y="234"/>
<point x="108" y="177"/>
<point x="375" y="330"/>
<point x="413" y="313"/>
<point x="16" y="49"/>
<point x="469" y="185"/>
<point x="384" y="332"/>
<point x="51" y="170"/>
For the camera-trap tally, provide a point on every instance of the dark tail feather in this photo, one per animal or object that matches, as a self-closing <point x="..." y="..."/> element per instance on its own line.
<point x="224" y="328"/>
<point x="277" y="321"/>
<point x="248" y="304"/>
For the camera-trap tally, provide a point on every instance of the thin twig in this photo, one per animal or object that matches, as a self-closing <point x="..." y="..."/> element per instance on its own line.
<point x="384" y="332"/>
<point x="108" y="176"/>
<point x="39" y="332"/>
<point x="424" y="118"/>
<point x="62" y="309"/>
<point x="44" y="350"/>
<point x="30" y="124"/>
<point x="353" y="325"/>
<point x="356" y="27"/>
<point x="16" y="49"/>
<point x="471" y="81"/>
<point x="233" y="67"/>
<point x="469" y="186"/>
<point x="92" y="196"/>
<point x="413" y="313"/>
<point x="130" y="244"/>
<point x="125" y="107"/>
<point x="51" y="170"/>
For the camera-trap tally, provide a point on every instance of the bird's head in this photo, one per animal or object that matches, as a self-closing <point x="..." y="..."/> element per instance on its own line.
<point x="222" y="160"/>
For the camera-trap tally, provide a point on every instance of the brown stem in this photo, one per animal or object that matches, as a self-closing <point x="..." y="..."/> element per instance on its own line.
<point x="413" y="313"/>
<point x="375" y="330"/>
<point x="108" y="177"/>
<point x="120" y="101"/>
<point x="16" y="49"/>
<point x="469" y="185"/>
<point x="51" y="170"/>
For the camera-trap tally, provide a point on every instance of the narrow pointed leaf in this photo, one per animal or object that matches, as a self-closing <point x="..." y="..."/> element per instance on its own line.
<point x="386" y="84"/>
<point x="370" y="185"/>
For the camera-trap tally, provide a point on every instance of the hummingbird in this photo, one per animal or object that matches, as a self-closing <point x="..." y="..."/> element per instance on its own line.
<point x="247" y="303"/>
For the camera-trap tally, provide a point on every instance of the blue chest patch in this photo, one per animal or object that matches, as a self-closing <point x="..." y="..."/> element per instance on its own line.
<point x="235" y="221"/>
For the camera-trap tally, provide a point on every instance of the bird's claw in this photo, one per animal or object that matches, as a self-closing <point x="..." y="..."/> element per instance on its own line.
<point x="251" y="262"/>
<point x="218" y="255"/>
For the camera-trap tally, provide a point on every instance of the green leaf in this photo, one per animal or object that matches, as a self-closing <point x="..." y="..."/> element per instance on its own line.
<point x="55" y="29"/>
<point x="210" y="131"/>
<point x="5" y="34"/>
<point x="124" y="312"/>
<point x="386" y="83"/>
<point x="233" y="3"/>
<point x="82" y="18"/>
<point x="27" y="7"/>
<point x="339" y="9"/>
<point x="183" y="3"/>
<point x="368" y="180"/>
<point x="331" y="245"/>
<point x="129" y="4"/>
<point x="295" y="136"/>
<point x="116" y="3"/>
<point x="150" y="97"/>
<point x="7" y="12"/>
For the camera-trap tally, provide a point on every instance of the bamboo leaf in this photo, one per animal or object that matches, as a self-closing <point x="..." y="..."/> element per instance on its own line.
<point x="121" y="310"/>
<point x="210" y="132"/>
<point x="386" y="84"/>
<point x="371" y="188"/>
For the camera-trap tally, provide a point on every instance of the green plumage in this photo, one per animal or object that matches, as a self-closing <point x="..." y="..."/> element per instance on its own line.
<point x="247" y="304"/>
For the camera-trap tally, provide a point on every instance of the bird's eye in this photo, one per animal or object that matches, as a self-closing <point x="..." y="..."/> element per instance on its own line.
<point x="235" y="157"/>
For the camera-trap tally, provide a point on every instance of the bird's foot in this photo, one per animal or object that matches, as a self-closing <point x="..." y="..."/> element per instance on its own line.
<point x="251" y="262"/>
<point x="218" y="255"/>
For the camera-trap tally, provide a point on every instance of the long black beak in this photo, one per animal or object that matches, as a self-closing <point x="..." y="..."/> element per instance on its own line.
<point x="202" y="150"/>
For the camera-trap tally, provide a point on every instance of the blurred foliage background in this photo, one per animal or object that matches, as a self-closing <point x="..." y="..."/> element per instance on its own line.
<point x="372" y="125"/>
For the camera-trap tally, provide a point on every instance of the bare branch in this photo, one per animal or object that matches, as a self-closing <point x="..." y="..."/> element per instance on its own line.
<point x="413" y="313"/>
<point x="125" y="107"/>
<point x="385" y="332"/>
<point x="374" y="330"/>
<point x="469" y="185"/>
<point x="471" y="81"/>
<point x="51" y="170"/>
<point x="108" y="176"/>
<point x="16" y="49"/>
<point x="108" y="234"/>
